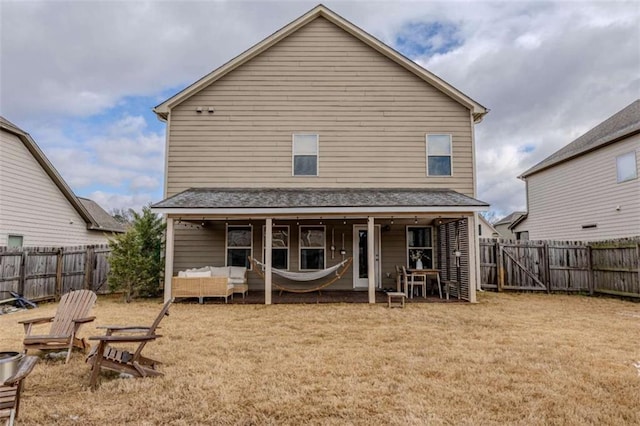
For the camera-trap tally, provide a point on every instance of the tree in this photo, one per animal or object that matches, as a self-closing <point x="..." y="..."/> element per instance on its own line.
<point x="136" y="257"/>
<point x="124" y="216"/>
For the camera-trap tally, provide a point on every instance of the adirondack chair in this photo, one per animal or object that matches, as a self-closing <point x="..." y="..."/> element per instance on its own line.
<point x="106" y="356"/>
<point x="73" y="312"/>
<point x="11" y="389"/>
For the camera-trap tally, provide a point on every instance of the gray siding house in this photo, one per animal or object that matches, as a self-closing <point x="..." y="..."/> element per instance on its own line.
<point x="588" y="190"/>
<point x="322" y="143"/>
<point x="37" y="207"/>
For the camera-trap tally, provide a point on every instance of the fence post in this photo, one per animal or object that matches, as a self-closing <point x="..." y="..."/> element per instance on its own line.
<point x="638" y="265"/>
<point x="88" y="268"/>
<point x="499" y="265"/>
<point x="547" y="266"/>
<point x="591" y="271"/>
<point x="23" y="272"/>
<point x="59" y="265"/>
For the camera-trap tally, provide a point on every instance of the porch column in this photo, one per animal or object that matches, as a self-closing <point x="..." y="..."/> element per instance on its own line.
<point x="371" y="259"/>
<point x="268" y="236"/>
<point x="477" y="239"/>
<point x="474" y="260"/>
<point x="168" y="259"/>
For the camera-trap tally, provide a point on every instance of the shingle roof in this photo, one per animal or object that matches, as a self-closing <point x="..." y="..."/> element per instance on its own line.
<point x="242" y="198"/>
<point x="104" y="220"/>
<point x="510" y="218"/>
<point x="622" y="124"/>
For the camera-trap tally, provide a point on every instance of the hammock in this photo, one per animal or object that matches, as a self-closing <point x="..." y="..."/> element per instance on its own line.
<point x="338" y="270"/>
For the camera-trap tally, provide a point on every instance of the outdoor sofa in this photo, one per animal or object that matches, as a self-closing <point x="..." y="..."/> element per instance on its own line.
<point x="210" y="281"/>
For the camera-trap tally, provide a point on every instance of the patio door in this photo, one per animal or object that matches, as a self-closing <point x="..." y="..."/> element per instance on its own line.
<point x="360" y="256"/>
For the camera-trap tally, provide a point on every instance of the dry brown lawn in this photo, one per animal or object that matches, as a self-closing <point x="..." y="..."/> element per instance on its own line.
<point x="509" y="359"/>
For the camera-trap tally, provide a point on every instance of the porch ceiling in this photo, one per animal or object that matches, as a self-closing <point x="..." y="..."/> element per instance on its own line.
<point x="317" y="200"/>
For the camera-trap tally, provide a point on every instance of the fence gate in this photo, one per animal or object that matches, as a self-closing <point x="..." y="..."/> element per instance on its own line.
<point x="522" y="266"/>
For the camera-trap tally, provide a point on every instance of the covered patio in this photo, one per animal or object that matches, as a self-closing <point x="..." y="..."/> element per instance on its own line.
<point x="312" y="229"/>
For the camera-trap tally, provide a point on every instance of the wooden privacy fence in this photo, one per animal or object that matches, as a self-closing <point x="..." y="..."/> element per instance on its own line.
<point x="40" y="273"/>
<point x="609" y="267"/>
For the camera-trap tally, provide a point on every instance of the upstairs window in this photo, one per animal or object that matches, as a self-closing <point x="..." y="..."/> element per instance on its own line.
<point x="626" y="167"/>
<point x="239" y="245"/>
<point x="438" y="155"/>
<point x="305" y="155"/>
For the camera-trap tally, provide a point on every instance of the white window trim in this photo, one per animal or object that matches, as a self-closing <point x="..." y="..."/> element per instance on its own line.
<point x="426" y="144"/>
<point x="300" y="248"/>
<point x="226" y="243"/>
<point x="288" y="248"/>
<point x="407" y="248"/>
<point x="293" y="155"/>
<point x="635" y="163"/>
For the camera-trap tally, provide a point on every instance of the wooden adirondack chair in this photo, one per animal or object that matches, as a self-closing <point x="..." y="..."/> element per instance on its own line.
<point x="104" y="355"/>
<point x="11" y="389"/>
<point x="72" y="312"/>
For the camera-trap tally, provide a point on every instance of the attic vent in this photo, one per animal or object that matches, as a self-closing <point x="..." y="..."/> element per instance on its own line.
<point x="590" y="226"/>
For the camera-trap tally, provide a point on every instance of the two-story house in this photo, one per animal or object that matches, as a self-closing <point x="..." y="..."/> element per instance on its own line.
<point x="37" y="207"/>
<point x="322" y="143"/>
<point x="589" y="189"/>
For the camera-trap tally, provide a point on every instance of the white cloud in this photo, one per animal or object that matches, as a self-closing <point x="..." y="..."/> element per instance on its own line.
<point x="110" y="201"/>
<point x="548" y="71"/>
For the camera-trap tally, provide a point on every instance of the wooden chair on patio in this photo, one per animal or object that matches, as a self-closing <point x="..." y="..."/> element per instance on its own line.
<point x="413" y="280"/>
<point x="72" y="313"/>
<point x="106" y="356"/>
<point x="11" y="389"/>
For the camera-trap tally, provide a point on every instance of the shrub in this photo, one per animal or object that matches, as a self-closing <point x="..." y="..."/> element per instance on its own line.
<point x="136" y="257"/>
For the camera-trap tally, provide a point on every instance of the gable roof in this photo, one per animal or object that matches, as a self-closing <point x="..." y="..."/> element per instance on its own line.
<point x="509" y="218"/>
<point x="621" y="125"/>
<point x="487" y="223"/>
<point x="518" y="221"/>
<point x="85" y="210"/>
<point x="105" y="221"/>
<point x="478" y="110"/>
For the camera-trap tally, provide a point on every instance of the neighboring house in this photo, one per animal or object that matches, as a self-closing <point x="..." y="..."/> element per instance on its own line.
<point x="588" y="190"/>
<point x="486" y="229"/>
<point x="324" y="141"/>
<point x="37" y="207"/>
<point x="502" y="226"/>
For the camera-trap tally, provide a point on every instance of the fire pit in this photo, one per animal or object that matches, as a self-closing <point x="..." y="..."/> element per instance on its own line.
<point x="9" y="364"/>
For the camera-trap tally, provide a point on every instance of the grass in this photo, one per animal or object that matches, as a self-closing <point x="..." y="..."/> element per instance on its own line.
<point x="510" y="359"/>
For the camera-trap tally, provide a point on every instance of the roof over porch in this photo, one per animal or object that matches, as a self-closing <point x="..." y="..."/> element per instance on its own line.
<point x="317" y="200"/>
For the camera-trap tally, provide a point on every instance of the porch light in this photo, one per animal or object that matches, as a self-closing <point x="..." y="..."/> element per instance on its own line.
<point x="391" y="223"/>
<point x="415" y="220"/>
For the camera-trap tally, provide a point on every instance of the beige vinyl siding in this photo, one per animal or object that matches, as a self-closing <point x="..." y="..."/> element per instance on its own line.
<point x="197" y="247"/>
<point x="31" y="205"/>
<point x="584" y="191"/>
<point x="371" y="116"/>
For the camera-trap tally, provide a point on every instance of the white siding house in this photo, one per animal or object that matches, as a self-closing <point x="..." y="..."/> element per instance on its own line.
<point x="590" y="189"/>
<point x="486" y="229"/>
<point x="37" y="208"/>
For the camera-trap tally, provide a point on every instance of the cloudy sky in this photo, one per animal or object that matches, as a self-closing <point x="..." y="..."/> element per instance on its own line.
<point x="82" y="76"/>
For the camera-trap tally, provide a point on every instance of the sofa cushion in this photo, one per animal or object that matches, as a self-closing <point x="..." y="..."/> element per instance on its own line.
<point x="237" y="272"/>
<point x="219" y="271"/>
<point x="237" y="280"/>
<point x="182" y="274"/>
<point x="197" y="274"/>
